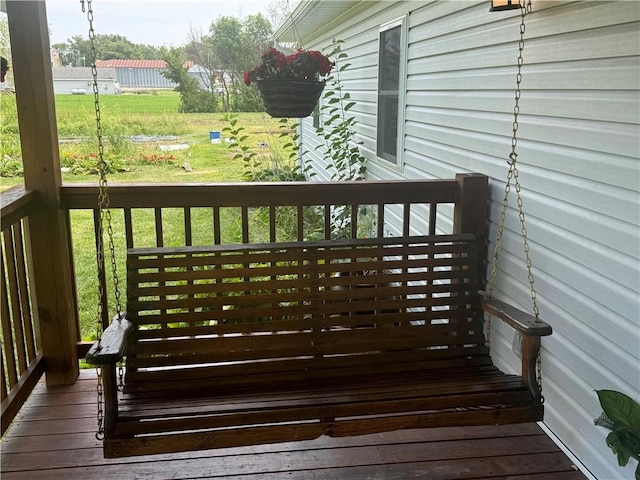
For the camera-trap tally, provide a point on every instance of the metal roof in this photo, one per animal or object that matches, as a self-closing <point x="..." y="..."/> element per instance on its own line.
<point x="118" y="63"/>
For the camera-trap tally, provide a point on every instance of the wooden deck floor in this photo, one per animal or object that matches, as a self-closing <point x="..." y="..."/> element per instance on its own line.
<point x="53" y="438"/>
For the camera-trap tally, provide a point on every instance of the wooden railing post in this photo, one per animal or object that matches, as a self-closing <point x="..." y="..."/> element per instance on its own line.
<point x="49" y="225"/>
<point x="470" y="214"/>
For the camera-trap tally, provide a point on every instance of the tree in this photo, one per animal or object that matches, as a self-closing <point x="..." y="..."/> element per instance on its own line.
<point x="76" y="51"/>
<point x="279" y="10"/>
<point x="231" y="47"/>
<point x="256" y="36"/>
<point x="193" y="99"/>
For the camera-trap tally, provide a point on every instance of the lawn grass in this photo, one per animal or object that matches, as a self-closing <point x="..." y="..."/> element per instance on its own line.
<point x="161" y="102"/>
<point x="153" y="115"/>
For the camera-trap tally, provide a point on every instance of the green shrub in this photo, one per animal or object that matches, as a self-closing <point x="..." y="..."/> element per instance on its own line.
<point x="342" y="152"/>
<point x="10" y="167"/>
<point x="198" y="101"/>
<point x="10" y="147"/>
<point x="247" y="99"/>
<point x="278" y="163"/>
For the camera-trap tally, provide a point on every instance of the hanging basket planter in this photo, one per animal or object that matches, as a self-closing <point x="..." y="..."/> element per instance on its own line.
<point x="290" y="85"/>
<point x="289" y="98"/>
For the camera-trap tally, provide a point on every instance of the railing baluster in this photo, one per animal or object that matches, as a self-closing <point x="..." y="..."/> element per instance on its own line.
<point x="300" y="222"/>
<point x="102" y="275"/>
<point x="3" y="386"/>
<point x="128" y="228"/>
<point x="354" y="220"/>
<point x="188" y="230"/>
<point x="245" y="224"/>
<point x="23" y="288"/>
<point x="433" y="211"/>
<point x="159" y="229"/>
<point x="406" y="217"/>
<point x="14" y="295"/>
<point x="216" y="225"/>
<point x="7" y="334"/>
<point x="327" y="221"/>
<point x="272" y="223"/>
<point x="380" y="221"/>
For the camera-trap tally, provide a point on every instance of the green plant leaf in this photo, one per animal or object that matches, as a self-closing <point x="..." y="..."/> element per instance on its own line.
<point x="331" y="120"/>
<point x="620" y="408"/>
<point x="616" y="445"/>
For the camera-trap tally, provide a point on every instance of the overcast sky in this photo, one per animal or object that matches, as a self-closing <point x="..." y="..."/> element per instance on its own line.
<point x="151" y="22"/>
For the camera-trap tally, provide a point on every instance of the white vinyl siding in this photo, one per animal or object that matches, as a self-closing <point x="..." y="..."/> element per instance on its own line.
<point x="579" y="157"/>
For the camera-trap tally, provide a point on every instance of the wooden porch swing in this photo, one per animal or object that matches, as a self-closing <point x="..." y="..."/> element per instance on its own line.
<point x="252" y="343"/>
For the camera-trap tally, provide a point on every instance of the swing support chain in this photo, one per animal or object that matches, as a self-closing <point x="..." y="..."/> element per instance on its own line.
<point x="513" y="178"/>
<point x="104" y="219"/>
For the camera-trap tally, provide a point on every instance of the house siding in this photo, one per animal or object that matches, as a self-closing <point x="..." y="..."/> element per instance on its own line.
<point x="579" y="165"/>
<point x="69" y="80"/>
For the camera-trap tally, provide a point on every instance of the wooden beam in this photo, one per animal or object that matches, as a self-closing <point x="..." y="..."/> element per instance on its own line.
<point x="48" y="225"/>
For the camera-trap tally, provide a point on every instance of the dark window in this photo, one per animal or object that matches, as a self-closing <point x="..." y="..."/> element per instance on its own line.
<point x="388" y="92"/>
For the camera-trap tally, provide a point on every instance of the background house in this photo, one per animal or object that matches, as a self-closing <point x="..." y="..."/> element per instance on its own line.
<point x="453" y="73"/>
<point x="79" y="80"/>
<point x="137" y="74"/>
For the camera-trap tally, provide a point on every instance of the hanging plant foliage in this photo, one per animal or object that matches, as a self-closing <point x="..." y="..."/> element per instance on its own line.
<point x="290" y="85"/>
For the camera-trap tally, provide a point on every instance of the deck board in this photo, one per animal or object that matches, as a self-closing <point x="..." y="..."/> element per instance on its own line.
<point x="53" y="437"/>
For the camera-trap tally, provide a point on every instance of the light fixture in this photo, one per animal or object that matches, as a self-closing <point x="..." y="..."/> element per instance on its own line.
<point x="498" y="5"/>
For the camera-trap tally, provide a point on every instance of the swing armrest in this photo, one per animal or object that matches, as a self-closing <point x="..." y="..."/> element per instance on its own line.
<point x="111" y="348"/>
<point x="531" y="330"/>
<point x="523" y="322"/>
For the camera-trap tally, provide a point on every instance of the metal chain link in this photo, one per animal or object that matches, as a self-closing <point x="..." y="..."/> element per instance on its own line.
<point x="103" y="219"/>
<point x="513" y="176"/>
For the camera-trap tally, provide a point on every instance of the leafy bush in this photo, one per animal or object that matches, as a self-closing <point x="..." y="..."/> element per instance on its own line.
<point x="10" y="147"/>
<point x="196" y="100"/>
<point x="280" y="161"/>
<point x="336" y="127"/>
<point x="247" y="99"/>
<point x="10" y="167"/>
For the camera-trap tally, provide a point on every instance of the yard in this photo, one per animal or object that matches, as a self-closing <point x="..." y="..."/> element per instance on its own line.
<point x="135" y="127"/>
<point x="146" y="140"/>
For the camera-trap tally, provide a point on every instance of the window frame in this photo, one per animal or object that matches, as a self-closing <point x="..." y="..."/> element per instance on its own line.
<point x="396" y="161"/>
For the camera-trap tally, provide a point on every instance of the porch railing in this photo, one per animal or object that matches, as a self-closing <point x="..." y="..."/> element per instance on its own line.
<point x="157" y="215"/>
<point x="22" y="359"/>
